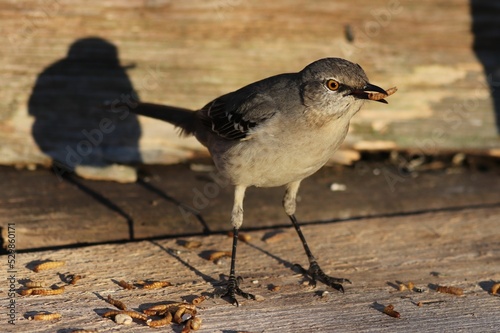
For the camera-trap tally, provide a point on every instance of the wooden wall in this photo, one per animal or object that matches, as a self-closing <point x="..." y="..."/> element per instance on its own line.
<point x="185" y="53"/>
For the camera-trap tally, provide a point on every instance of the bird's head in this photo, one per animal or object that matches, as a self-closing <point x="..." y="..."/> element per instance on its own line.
<point x="337" y="87"/>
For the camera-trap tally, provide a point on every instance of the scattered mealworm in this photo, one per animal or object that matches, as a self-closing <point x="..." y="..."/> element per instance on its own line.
<point x="48" y="265"/>
<point x="178" y="315"/>
<point x="218" y="254"/>
<point x="494" y="288"/>
<point x="389" y="310"/>
<point x="187" y="327"/>
<point x="401" y="287"/>
<point x="198" y="300"/>
<point x="191" y="244"/>
<point x="120" y="305"/>
<point x="275" y="288"/>
<point x="241" y="236"/>
<point x="133" y="314"/>
<point x="156" y="309"/>
<point x="156" y="285"/>
<point x="47" y="316"/>
<point x="160" y="322"/>
<point x="45" y="292"/>
<point x="195" y="323"/>
<point x="411" y="286"/>
<point x="420" y="303"/>
<point x="26" y="292"/>
<point x="450" y="290"/>
<point x="126" y="285"/>
<point x="73" y="278"/>
<point x="34" y="284"/>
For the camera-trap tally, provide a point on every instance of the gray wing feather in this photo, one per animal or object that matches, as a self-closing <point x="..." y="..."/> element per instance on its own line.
<point x="234" y="115"/>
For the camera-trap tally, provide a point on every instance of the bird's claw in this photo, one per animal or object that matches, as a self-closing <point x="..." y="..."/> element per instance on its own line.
<point x="232" y="289"/>
<point x="316" y="273"/>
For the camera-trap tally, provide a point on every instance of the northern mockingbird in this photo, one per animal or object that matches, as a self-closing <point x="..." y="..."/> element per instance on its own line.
<point x="276" y="132"/>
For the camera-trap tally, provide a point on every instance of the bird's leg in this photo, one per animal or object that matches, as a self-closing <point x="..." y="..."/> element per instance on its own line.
<point x="232" y="289"/>
<point x="314" y="272"/>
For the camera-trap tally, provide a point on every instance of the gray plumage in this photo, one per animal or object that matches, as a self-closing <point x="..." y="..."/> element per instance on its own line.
<point x="276" y="132"/>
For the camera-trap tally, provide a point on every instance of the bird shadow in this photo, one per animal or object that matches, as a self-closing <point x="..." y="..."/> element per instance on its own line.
<point x="197" y="272"/>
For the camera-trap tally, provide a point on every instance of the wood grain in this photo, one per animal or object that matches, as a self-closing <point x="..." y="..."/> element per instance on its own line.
<point x="458" y="248"/>
<point x="187" y="53"/>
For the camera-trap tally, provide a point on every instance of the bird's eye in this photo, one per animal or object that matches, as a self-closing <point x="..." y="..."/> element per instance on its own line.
<point x="332" y="84"/>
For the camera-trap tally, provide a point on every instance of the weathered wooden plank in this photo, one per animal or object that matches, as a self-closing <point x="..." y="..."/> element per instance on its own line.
<point x="187" y="53"/>
<point x="458" y="248"/>
<point x="51" y="212"/>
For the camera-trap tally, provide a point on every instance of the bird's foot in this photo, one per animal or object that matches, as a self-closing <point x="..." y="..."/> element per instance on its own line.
<point x="316" y="273"/>
<point x="232" y="289"/>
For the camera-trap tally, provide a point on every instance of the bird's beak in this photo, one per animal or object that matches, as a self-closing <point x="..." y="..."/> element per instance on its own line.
<point x="364" y="93"/>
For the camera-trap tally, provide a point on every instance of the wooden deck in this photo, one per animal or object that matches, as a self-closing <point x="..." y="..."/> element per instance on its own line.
<point x="420" y="204"/>
<point x="436" y="228"/>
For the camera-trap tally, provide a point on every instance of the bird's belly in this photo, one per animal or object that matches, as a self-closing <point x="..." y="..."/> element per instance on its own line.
<point x="266" y="163"/>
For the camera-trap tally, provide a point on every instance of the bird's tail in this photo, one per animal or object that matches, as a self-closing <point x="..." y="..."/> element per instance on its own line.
<point x="182" y="118"/>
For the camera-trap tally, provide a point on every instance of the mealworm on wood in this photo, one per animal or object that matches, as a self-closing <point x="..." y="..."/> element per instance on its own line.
<point x="156" y="309"/>
<point x="156" y="285"/>
<point x="120" y="305"/>
<point x="241" y="236"/>
<point x="73" y="278"/>
<point x="182" y="311"/>
<point x="191" y="244"/>
<point x="218" y="254"/>
<point x="195" y="323"/>
<point x="26" y="292"/>
<point x="389" y="310"/>
<point x="34" y="284"/>
<point x="48" y="265"/>
<point x="46" y="292"/>
<point x="198" y="300"/>
<point x="47" y="316"/>
<point x="450" y="290"/>
<point x="126" y="285"/>
<point x="133" y="314"/>
<point x="494" y="288"/>
<point x="160" y="322"/>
